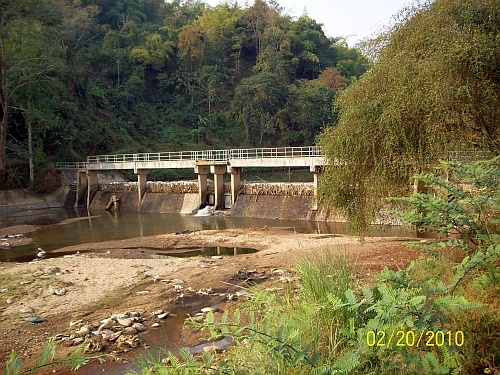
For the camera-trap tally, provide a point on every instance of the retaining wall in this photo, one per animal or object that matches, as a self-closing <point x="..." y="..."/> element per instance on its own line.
<point x="184" y="203"/>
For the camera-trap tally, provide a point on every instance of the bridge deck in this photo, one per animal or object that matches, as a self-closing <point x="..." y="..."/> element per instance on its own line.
<point x="255" y="157"/>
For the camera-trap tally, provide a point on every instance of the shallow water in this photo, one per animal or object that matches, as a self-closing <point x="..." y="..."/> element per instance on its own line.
<point x="101" y="225"/>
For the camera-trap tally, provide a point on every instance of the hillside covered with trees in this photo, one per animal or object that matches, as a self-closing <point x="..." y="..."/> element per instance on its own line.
<point x="103" y="76"/>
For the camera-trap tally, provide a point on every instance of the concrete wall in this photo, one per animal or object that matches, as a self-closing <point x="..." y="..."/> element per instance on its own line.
<point x="281" y="207"/>
<point x="151" y="202"/>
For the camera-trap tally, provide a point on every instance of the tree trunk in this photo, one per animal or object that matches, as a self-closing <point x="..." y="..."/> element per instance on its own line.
<point x="3" y="138"/>
<point x="30" y="153"/>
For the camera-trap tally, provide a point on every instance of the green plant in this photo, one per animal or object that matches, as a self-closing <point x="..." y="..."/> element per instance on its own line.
<point x="47" y="358"/>
<point x="462" y="204"/>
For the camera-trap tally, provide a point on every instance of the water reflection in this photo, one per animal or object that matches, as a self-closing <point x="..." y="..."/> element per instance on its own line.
<point x="100" y="225"/>
<point x="204" y="251"/>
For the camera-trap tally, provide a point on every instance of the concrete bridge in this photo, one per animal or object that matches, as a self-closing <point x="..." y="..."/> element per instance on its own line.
<point x="216" y="162"/>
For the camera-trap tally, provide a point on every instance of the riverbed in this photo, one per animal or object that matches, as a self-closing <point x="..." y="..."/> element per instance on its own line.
<point x="58" y="228"/>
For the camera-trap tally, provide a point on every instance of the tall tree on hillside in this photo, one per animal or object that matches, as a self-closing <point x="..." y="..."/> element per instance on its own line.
<point x="28" y="53"/>
<point x="312" y="50"/>
<point x="434" y="88"/>
<point x="257" y="101"/>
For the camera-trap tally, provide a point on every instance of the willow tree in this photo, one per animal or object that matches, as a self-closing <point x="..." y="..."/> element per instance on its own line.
<point x="433" y="88"/>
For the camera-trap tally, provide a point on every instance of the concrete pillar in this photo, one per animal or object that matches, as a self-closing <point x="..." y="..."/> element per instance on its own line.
<point x="142" y="178"/>
<point x="202" y="171"/>
<point x="81" y="185"/>
<point x="218" y="172"/>
<point x="317" y="172"/>
<point x="92" y="185"/>
<point x="235" y="181"/>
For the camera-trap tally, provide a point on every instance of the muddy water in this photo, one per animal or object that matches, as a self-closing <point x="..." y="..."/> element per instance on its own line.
<point x="101" y="225"/>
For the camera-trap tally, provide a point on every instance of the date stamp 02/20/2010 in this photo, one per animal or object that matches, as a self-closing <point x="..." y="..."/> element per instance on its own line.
<point x="411" y="338"/>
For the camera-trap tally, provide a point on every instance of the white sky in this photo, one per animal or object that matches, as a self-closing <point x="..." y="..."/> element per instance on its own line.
<point x="352" y="19"/>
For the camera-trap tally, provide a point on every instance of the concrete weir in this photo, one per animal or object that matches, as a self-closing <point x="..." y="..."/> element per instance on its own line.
<point x="214" y="162"/>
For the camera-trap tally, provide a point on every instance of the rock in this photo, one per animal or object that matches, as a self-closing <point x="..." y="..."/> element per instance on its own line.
<point x="129" y="331"/>
<point x="242" y="293"/>
<point x="104" y="326"/>
<point x="139" y="327"/>
<point x="125" y="343"/>
<point x="135" y="314"/>
<point x="26" y="310"/>
<point x="217" y="257"/>
<point x="109" y="335"/>
<point x="198" y="318"/>
<point x="143" y="292"/>
<point x="38" y="273"/>
<point x="205" y="292"/>
<point x="35" y="319"/>
<point x="126" y="322"/>
<point x="60" y="292"/>
<point x="108" y="321"/>
<point x="79" y="341"/>
<point x="162" y="316"/>
<point x="155" y="325"/>
<point x="52" y="270"/>
<point x="93" y="347"/>
<point x="75" y="322"/>
<point x="83" y="331"/>
<point x="120" y="316"/>
<point x="177" y="288"/>
<point x="206" y="310"/>
<point x="212" y="349"/>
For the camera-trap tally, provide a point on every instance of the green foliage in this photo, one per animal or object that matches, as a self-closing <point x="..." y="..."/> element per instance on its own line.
<point x="462" y="203"/>
<point x="99" y="77"/>
<point x="47" y="358"/>
<point x="433" y="88"/>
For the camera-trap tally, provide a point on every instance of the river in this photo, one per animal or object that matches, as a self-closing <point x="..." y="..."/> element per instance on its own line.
<point x="58" y="228"/>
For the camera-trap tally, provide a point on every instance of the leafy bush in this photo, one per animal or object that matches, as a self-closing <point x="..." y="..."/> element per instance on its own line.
<point x="409" y="321"/>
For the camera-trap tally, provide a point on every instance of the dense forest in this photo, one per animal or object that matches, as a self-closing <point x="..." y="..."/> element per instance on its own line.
<point x="82" y="77"/>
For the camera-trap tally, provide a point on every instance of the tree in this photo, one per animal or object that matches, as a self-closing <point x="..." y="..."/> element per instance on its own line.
<point x="28" y="53"/>
<point x="257" y="100"/>
<point x="312" y="49"/>
<point x="434" y="88"/>
<point x="154" y="53"/>
<point x="309" y="109"/>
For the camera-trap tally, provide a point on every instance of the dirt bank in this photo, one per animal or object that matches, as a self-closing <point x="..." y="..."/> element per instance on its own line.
<point x="115" y="276"/>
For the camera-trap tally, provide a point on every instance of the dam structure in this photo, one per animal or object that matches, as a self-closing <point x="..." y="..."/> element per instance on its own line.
<point x="215" y="162"/>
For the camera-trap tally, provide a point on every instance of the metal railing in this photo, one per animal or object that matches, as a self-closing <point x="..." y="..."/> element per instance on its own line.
<point x="205" y="155"/>
<point x="210" y="155"/>
<point x="71" y="165"/>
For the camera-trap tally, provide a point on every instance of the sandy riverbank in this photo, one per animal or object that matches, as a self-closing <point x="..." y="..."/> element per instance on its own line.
<point x="115" y="276"/>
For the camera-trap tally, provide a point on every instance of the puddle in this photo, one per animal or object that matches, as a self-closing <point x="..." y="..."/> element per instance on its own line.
<point x="204" y="251"/>
<point x="133" y="253"/>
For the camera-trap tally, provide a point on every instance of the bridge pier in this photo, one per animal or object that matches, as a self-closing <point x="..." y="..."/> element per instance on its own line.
<point x="317" y="171"/>
<point x="218" y="172"/>
<point x="92" y="185"/>
<point x="81" y="185"/>
<point x="202" y="172"/>
<point x="142" y="176"/>
<point x="235" y="181"/>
